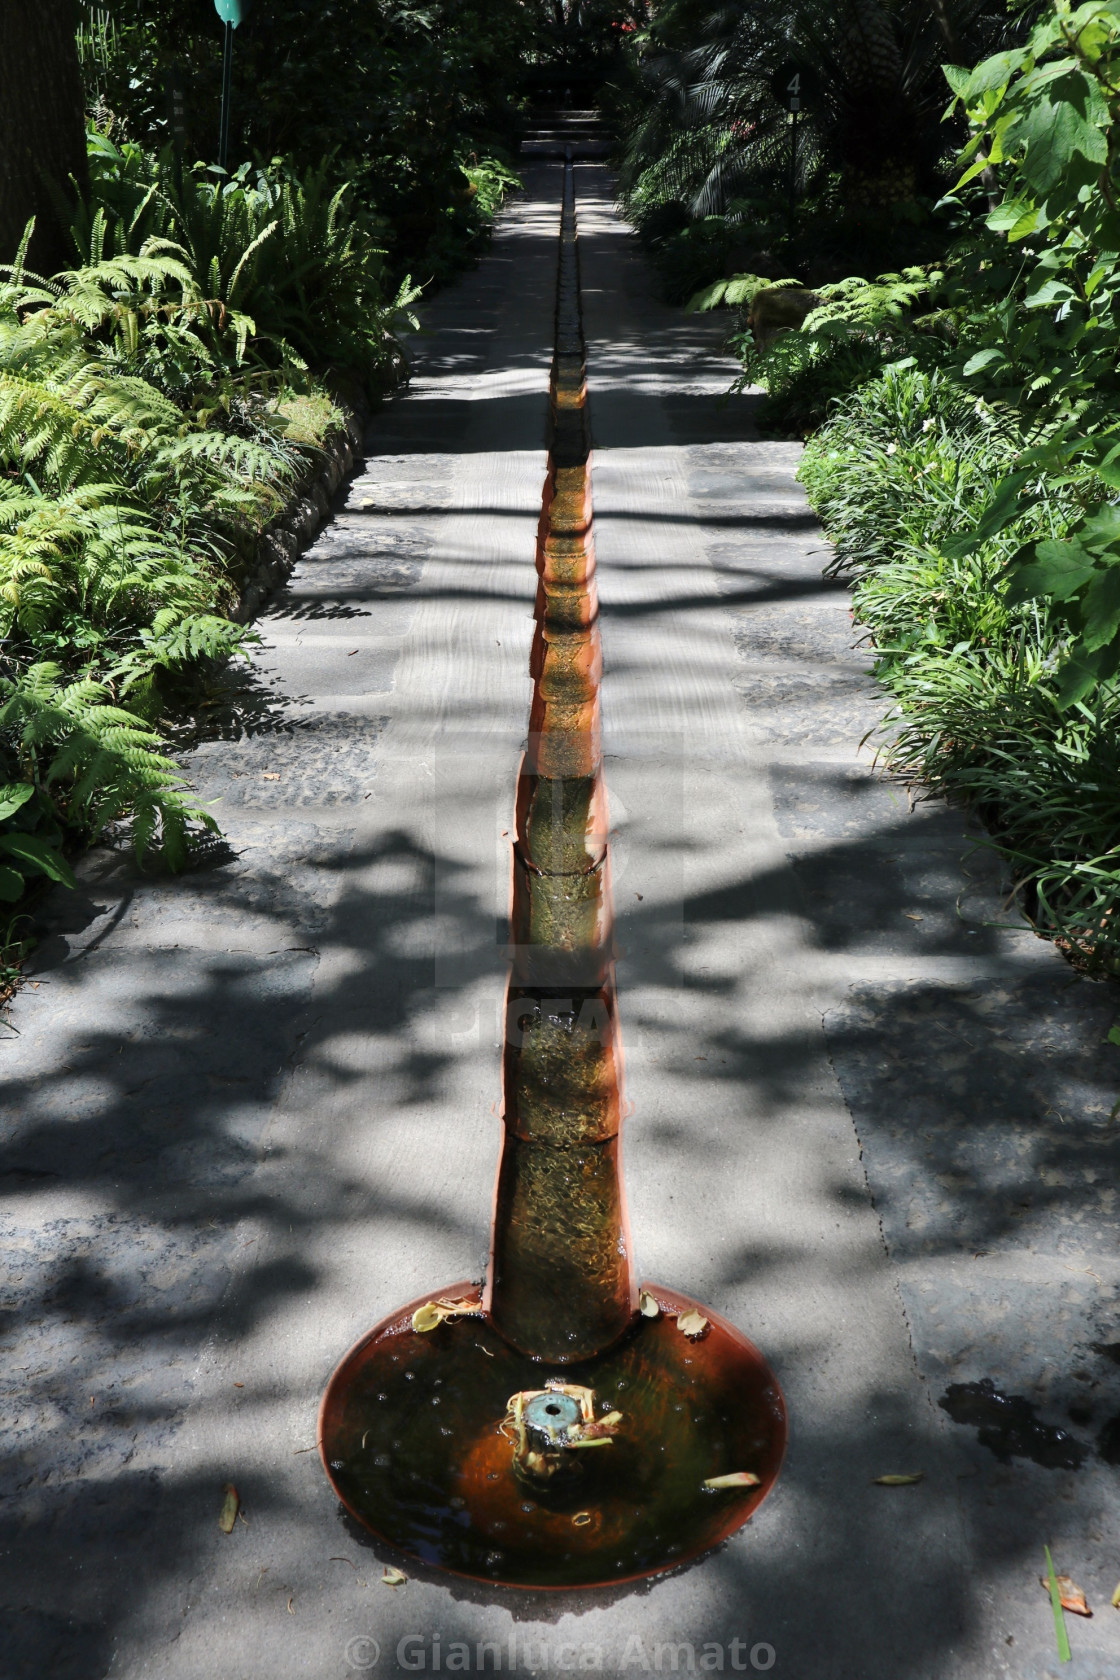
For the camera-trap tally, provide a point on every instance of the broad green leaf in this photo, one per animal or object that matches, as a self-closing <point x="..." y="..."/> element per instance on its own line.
<point x="11" y="885"/>
<point x="971" y="172"/>
<point x="36" y="854"/>
<point x="1108" y="470"/>
<point x="1027" y="224"/>
<point x="1051" y="291"/>
<point x="1059" y="569"/>
<point x="1054" y="132"/>
<point x="1013" y="212"/>
<point x="1102" y="528"/>
<point x="1101" y="608"/>
<point x="991" y="74"/>
<point x="981" y="360"/>
<point x="1076" y="678"/>
<point x="13" y="796"/>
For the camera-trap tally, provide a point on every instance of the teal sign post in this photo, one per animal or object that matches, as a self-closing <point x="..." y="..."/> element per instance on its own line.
<point x="231" y="12"/>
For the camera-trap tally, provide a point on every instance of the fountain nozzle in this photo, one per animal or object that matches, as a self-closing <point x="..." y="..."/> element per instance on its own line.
<point x="546" y="1426"/>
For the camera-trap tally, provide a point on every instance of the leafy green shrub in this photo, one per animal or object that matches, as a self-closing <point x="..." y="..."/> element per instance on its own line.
<point x="901" y="474"/>
<point x="859" y="328"/>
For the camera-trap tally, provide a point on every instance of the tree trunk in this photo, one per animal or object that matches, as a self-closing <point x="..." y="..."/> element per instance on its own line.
<point x="42" y="126"/>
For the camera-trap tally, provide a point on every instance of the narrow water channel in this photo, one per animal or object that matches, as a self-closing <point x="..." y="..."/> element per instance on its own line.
<point x="557" y="1427"/>
<point x="561" y="1285"/>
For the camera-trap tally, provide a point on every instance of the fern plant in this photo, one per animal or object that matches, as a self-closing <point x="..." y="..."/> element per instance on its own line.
<point x="123" y="518"/>
<point x="288" y="262"/>
<point x="145" y="397"/>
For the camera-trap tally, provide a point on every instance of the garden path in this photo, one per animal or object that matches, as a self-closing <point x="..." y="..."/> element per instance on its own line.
<point x="250" y="1110"/>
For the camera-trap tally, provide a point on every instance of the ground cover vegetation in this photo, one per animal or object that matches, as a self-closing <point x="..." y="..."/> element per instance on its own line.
<point x="175" y="374"/>
<point x="961" y="412"/>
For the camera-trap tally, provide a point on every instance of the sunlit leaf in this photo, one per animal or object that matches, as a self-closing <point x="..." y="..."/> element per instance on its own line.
<point x="900" y="1480"/>
<point x="13" y="796"/>
<point x="734" y="1479"/>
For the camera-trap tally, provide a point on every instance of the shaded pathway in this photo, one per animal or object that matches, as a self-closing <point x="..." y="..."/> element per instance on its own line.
<point x="250" y="1109"/>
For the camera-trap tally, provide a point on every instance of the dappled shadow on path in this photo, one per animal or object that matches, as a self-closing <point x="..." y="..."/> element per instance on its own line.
<point x="174" y="1148"/>
<point x="178" y="1121"/>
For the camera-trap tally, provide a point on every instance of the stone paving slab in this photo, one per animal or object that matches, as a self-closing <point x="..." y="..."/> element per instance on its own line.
<point x="250" y="1110"/>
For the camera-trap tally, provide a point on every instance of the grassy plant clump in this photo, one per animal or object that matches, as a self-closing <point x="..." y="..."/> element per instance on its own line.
<point x="901" y="475"/>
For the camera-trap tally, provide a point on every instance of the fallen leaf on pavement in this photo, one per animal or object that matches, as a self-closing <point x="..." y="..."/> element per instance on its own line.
<point x="692" y="1324"/>
<point x="900" y="1481"/>
<point x="1070" y="1595"/>
<point x="735" y="1478"/>
<point x="270" y="775"/>
<point x="231" y="1504"/>
<point x="393" y="1578"/>
<point x="1116" y="1598"/>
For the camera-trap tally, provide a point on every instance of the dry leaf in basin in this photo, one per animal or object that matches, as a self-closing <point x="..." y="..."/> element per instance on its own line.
<point x="231" y="1504"/>
<point x="692" y="1324"/>
<point x="426" y="1318"/>
<point x="467" y="1306"/>
<point x="393" y="1578"/>
<point x="648" y="1305"/>
<point x="1071" y="1596"/>
<point x="901" y="1481"/>
<point x="734" y="1478"/>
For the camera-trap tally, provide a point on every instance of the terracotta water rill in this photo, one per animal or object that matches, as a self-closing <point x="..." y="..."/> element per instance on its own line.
<point x="559" y="1427"/>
